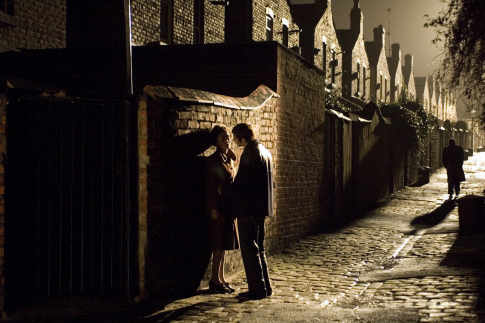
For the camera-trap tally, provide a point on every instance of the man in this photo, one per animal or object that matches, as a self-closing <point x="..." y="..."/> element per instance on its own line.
<point x="452" y="159"/>
<point x="252" y="193"/>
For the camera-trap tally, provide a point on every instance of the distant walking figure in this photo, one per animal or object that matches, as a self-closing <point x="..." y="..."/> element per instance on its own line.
<point x="452" y="159"/>
<point x="252" y="192"/>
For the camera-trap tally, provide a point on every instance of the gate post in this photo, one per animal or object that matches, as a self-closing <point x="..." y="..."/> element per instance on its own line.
<point x="3" y="152"/>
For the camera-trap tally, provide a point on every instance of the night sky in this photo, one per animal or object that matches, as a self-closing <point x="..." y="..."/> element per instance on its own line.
<point x="406" y="26"/>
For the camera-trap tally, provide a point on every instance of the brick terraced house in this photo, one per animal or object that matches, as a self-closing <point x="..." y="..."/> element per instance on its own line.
<point x="380" y="78"/>
<point x="408" y="75"/>
<point x="356" y="79"/>
<point x="395" y="70"/>
<point x="109" y="105"/>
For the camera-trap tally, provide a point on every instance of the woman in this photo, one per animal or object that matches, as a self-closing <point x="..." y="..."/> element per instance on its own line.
<point x="222" y="228"/>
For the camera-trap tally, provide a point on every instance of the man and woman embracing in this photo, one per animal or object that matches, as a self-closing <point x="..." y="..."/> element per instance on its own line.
<point x="238" y="205"/>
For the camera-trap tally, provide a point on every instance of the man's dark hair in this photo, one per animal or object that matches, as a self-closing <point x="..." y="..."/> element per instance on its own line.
<point x="215" y="133"/>
<point x="243" y="130"/>
<point x="451" y="142"/>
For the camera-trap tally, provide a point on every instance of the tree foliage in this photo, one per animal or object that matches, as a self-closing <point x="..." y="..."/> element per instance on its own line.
<point x="412" y="122"/>
<point x="332" y="102"/>
<point x="460" y="124"/>
<point x="460" y="28"/>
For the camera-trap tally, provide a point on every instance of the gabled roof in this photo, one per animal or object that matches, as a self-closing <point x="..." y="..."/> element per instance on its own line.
<point x="393" y="63"/>
<point x="373" y="52"/>
<point x="420" y="84"/>
<point x="308" y="13"/>
<point x="406" y="73"/>
<point x="347" y="38"/>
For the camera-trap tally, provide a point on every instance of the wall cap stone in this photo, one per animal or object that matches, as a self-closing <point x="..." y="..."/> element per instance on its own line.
<point x="255" y="100"/>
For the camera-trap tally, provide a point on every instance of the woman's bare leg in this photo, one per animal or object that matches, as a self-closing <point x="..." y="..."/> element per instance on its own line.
<point x="221" y="268"/>
<point x="217" y="258"/>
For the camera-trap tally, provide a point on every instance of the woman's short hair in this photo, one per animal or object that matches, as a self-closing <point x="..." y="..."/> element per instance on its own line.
<point x="215" y="133"/>
<point x="243" y="130"/>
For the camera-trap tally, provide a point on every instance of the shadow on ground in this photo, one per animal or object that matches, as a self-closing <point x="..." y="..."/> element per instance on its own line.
<point x="432" y="218"/>
<point x="468" y="251"/>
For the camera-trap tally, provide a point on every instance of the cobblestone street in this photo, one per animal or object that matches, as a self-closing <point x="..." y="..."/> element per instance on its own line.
<point x="405" y="255"/>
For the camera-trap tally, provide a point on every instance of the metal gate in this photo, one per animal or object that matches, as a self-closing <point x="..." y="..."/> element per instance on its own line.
<point x="68" y="197"/>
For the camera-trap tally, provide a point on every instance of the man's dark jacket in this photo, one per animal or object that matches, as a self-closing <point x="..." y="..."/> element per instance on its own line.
<point x="252" y="190"/>
<point x="452" y="159"/>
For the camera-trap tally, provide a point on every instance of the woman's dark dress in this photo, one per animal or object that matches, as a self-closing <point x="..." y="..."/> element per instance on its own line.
<point x="220" y="172"/>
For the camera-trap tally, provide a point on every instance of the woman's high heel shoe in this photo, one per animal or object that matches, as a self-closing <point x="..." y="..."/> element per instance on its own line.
<point x="229" y="287"/>
<point x="218" y="288"/>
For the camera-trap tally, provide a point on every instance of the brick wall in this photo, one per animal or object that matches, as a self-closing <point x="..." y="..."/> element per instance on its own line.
<point x="280" y="10"/>
<point x="146" y="22"/>
<point x="173" y="137"/>
<point x="291" y="127"/>
<point x="214" y="23"/>
<point x="359" y="55"/>
<point x="183" y="22"/>
<point x="301" y="115"/>
<point x="42" y="25"/>
<point x="376" y="72"/>
<point x="325" y="28"/>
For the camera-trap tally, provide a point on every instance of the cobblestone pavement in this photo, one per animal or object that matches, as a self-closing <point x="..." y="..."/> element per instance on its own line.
<point x="407" y="254"/>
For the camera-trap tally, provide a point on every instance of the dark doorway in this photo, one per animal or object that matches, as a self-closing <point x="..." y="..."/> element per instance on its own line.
<point x="71" y="219"/>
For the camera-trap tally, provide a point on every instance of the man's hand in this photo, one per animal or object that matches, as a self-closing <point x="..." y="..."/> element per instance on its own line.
<point x="215" y="214"/>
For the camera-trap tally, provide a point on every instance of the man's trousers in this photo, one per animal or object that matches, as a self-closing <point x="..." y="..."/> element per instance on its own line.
<point x="251" y="241"/>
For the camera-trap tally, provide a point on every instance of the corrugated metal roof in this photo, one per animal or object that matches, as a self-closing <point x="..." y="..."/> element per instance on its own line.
<point x="255" y="100"/>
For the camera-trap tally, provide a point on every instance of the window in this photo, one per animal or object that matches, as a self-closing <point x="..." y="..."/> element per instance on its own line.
<point x="6" y="6"/>
<point x="364" y="72"/>
<point x="380" y="87"/>
<point x="285" y="31"/>
<point x="358" y="77"/>
<point x="334" y="64"/>
<point x="324" y="55"/>
<point x="269" y="24"/>
<point x="198" y="21"/>
<point x="385" y="92"/>
<point x="165" y="21"/>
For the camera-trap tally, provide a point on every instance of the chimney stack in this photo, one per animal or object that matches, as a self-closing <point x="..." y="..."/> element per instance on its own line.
<point x="409" y="61"/>
<point x="356" y="18"/>
<point x="396" y="51"/>
<point x="379" y="35"/>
